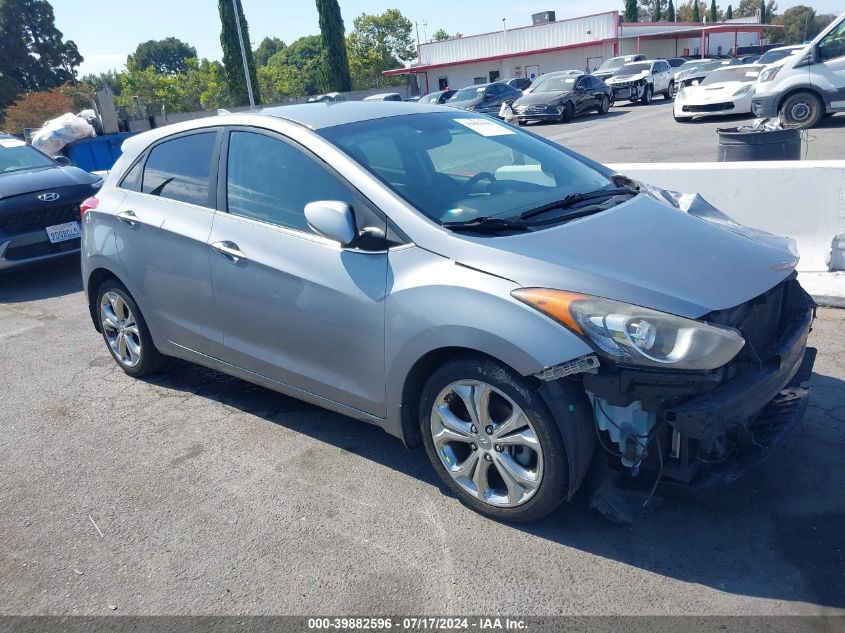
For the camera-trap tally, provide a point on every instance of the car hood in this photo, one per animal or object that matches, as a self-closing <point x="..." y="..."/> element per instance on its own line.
<point x="542" y="97"/>
<point x="17" y="183"/>
<point x="622" y="78"/>
<point x="643" y="252"/>
<point x="603" y="74"/>
<point x="714" y="93"/>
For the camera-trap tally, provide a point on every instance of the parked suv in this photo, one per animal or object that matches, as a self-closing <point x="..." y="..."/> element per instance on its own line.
<point x="640" y="81"/>
<point x="803" y="88"/>
<point x="523" y="312"/>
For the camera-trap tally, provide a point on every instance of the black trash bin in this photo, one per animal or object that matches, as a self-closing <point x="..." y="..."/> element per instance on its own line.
<point x="759" y="145"/>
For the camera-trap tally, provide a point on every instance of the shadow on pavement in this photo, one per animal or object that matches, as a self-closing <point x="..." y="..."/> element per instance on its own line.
<point x="54" y="279"/>
<point x="777" y="533"/>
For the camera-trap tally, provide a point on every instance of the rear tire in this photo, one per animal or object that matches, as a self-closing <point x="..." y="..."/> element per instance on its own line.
<point x="801" y="110"/>
<point x="467" y="407"/>
<point x="125" y="331"/>
<point x="604" y="105"/>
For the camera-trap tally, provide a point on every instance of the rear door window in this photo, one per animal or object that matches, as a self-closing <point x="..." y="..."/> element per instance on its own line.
<point x="180" y="169"/>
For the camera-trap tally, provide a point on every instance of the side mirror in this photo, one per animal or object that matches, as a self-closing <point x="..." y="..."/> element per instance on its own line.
<point x="332" y="219"/>
<point x="62" y="160"/>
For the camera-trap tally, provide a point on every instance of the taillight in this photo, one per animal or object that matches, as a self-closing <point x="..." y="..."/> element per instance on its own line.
<point x="87" y="205"/>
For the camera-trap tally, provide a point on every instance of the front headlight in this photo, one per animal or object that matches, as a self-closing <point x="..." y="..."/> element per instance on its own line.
<point x="744" y="90"/>
<point x="631" y="334"/>
<point x="769" y="74"/>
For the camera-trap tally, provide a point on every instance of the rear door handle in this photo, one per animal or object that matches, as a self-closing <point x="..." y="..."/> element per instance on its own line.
<point x="229" y="250"/>
<point x="128" y="217"/>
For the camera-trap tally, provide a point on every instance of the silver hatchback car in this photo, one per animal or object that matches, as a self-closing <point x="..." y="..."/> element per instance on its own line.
<point x="524" y="313"/>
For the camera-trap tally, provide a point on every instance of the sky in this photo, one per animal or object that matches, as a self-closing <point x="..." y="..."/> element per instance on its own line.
<point x="106" y="31"/>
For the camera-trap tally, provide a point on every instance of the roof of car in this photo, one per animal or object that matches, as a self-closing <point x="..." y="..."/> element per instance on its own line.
<point x="328" y="114"/>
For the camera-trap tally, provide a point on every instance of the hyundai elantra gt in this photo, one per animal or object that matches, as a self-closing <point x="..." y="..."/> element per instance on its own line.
<point x="519" y="310"/>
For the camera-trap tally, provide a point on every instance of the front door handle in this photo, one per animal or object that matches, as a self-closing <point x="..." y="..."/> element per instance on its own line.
<point x="229" y="250"/>
<point x="128" y="217"/>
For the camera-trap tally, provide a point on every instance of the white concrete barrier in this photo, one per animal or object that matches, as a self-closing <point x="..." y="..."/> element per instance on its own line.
<point x="804" y="200"/>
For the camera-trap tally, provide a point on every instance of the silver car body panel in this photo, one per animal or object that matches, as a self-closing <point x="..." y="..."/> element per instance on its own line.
<point x="356" y="323"/>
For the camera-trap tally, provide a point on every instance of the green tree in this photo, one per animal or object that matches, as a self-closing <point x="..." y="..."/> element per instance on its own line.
<point x="800" y="23"/>
<point x="268" y="47"/>
<point x="729" y="15"/>
<point x="33" y="109"/>
<point x="293" y="71"/>
<point x="440" y="35"/>
<point x="670" y="11"/>
<point x="714" y="11"/>
<point x="35" y="57"/>
<point x="696" y="12"/>
<point x="631" y="13"/>
<point x="763" y="16"/>
<point x="657" y="11"/>
<point x="748" y="8"/>
<point x="110" y="78"/>
<point x="164" y="56"/>
<point x="336" y="65"/>
<point x="232" y="60"/>
<point x="389" y="34"/>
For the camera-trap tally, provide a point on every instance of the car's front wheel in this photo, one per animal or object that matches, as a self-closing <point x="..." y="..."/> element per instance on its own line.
<point x="801" y="110"/>
<point x="125" y="331"/>
<point x="648" y="94"/>
<point x="670" y="91"/>
<point x="493" y="441"/>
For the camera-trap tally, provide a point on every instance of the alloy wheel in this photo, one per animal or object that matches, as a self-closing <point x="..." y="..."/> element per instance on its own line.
<point x="120" y="329"/>
<point x="486" y="443"/>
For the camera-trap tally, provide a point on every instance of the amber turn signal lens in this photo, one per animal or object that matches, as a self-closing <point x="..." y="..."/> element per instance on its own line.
<point x="554" y="303"/>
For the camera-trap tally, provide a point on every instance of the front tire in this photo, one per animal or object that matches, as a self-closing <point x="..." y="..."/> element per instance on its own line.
<point x="648" y="94"/>
<point x="493" y="441"/>
<point x="801" y="110"/>
<point x="670" y="92"/>
<point x="566" y="113"/>
<point x="125" y="331"/>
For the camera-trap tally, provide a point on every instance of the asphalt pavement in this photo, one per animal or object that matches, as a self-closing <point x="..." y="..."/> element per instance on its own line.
<point x="196" y="493"/>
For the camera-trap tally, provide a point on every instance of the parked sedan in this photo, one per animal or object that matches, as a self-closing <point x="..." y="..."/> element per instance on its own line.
<point x="522" y="312"/>
<point x="39" y="204"/>
<point x="441" y="96"/>
<point x="693" y="73"/>
<point x="724" y="91"/>
<point x="484" y="98"/>
<point x="561" y="97"/>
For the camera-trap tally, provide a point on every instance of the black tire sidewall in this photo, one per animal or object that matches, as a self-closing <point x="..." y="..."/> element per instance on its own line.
<point x="150" y="357"/>
<point x="648" y="94"/>
<point x="554" y="486"/>
<point x="791" y="99"/>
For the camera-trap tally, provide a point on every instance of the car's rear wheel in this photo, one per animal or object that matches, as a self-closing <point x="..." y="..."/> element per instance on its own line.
<point x="801" y="110"/>
<point x="493" y="441"/>
<point x="604" y="105"/>
<point x="125" y="331"/>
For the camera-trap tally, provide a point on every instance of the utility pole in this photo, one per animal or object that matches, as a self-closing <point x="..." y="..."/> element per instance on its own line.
<point x="243" y="54"/>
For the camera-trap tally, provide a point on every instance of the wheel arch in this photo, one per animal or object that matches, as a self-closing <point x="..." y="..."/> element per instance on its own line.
<point x="92" y="286"/>
<point x="801" y="88"/>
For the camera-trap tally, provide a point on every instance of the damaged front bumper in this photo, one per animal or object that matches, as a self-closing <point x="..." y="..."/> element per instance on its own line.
<point x="708" y="428"/>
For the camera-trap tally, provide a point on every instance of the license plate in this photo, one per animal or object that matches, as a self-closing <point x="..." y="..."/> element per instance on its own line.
<point x="63" y="232"/>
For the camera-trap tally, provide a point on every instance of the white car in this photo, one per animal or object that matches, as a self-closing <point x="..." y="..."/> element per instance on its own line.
<point x="777" y="54"/>
<point x="640" y="81"/>
<point x="385" y="96"/>
<point x="724" y="91"/>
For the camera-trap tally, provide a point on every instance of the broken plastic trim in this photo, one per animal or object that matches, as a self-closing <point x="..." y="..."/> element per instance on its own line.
<point x="589" y="363"/>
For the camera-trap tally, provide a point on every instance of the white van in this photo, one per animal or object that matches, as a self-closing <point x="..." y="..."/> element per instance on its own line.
<point x="803" y="88"/>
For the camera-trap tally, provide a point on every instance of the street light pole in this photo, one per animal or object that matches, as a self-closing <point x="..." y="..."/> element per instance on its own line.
<point x="243" y="53"/>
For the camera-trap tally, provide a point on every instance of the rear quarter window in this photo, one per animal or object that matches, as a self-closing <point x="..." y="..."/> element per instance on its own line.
<point x="180" y="169"/>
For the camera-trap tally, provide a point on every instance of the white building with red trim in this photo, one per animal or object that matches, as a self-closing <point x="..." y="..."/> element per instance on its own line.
<point x="577" y="43"/>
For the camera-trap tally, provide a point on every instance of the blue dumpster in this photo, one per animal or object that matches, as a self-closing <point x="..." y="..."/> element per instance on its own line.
<point x="98" y="153"/>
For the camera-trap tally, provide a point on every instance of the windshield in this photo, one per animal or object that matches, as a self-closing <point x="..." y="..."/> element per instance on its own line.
<point x="457" y="167"/>
<point x="468" y="94"/>
<point x="554" y="83"/>
<point x="613" y="63"/>
<point x="15" y="155"/>
<point x="739" y="73"/>
<point x="432" y="97"/>
<point x="777" y="55"/>
<point x="634" y="69"/>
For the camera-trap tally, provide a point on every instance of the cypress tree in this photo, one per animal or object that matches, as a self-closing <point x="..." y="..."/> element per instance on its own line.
<point x="696" y="13"/>
<point x="232" y="60"/>
<point x="670" y="11"/>
<point x="658" y="11"/>
<point x="631" y="11"/>
<point x="714" y="12"/>
<point x="763" y="11"/>
<point x="729" y="14"/>
<point x="336" y="63"/>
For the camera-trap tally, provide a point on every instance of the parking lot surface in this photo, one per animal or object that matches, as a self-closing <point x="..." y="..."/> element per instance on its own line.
<point x="196" y="493"/>
<point x="636" y="133"/>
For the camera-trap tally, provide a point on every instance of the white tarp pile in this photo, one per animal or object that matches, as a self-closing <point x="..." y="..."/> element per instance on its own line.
<point x="58" y="132"/>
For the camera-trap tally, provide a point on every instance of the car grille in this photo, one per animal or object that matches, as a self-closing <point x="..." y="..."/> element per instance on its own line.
<point x="533" y="109"/>
<point x="709" y="107"/>
<point x="35" y="219"/>
<point x="19" y="253"/>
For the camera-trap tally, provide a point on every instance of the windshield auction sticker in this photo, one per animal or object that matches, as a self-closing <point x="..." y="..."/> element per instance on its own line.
<point x="11" y="142"/>
<point x="485" y="127"/>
